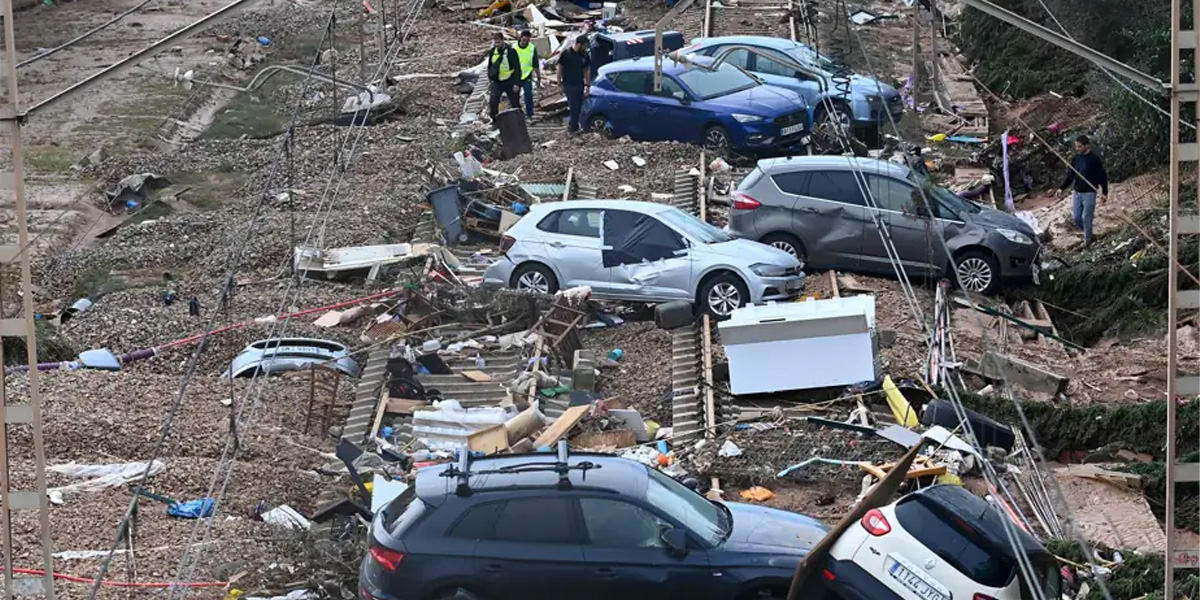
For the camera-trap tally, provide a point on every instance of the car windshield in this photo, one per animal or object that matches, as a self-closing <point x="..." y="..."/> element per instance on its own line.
<point x="950" y="201"/>
<point x="708" y="84"/>
<point x="807" y="55"/>
<point x="706" y="519"/>
<point x="692" y="227"/>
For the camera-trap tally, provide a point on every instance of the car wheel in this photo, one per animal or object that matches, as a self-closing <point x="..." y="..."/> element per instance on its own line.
<point x="599" y="124"/>
<point x="977" y="271"/>
<point x="788" y="243"/>
<point x="534" y="277"/>
<point x="834" y="128"/>
<point x="722" y="294"/>
<point x="716" y="139"/>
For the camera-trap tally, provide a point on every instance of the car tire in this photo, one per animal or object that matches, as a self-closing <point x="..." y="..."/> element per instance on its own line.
<point x="721" y="294"/>
<point x="599" y="124"/>
<point x="716" y="139"/>
<point x="826" y="134"/>
<point x="977" y="271"/>
<point x="788" y="243"/>
<point x="534" y="277"/>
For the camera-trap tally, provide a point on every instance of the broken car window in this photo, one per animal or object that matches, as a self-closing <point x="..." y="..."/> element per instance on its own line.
<point x="535" y="521"/>
<point x="726" y="79"/>
<point x="693" y="227"/>
<point x="838" y="186"/>
<point x="580" y="222"/>
<point x="617" y="524"/>
<point x="687" y="507"/>
<point x="631" y="238"/>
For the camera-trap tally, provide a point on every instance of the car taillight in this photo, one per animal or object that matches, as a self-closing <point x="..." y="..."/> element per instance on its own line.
<point x="507" y="242"/>
<point x="388" y="558"/>
<point x="828" y="575"/>
<point x="875" y="523"/>
<point x="982" y="597"/>
<point x="744" y="202"/>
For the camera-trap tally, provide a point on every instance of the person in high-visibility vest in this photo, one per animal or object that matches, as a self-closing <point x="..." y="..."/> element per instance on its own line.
<point x="530" y="69"/>
<point x="504" y="73"/>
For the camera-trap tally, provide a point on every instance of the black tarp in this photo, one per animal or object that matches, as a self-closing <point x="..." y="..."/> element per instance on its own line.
<point x="630" y="238"/>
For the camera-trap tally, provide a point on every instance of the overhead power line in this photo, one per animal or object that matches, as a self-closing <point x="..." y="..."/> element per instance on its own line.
<point x="64" y="46"/>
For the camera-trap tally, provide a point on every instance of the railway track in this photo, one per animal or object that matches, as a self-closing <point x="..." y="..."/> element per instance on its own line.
<point x="775" y="18"/>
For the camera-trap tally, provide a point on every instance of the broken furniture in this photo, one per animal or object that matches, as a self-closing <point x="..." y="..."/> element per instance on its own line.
<point x="801" y="345"/>
<point x="448" y="212"/>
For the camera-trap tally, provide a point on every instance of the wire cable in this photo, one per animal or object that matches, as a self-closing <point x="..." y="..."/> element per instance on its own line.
<point x="82" y="37"/>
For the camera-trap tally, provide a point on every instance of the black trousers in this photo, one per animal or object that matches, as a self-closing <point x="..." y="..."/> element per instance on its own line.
<point x="507" y="88"/>
<point x="574" y="93"/>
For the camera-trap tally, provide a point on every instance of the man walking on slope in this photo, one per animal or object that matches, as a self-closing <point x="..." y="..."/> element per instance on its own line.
<point x="575" y="78"/>
<point x="530" y="69"/>
<point x="504" y="73"/>
<point x="1087" y="174"/>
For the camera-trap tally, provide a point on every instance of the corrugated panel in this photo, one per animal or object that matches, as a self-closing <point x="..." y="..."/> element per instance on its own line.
<point x="545" y="190"/>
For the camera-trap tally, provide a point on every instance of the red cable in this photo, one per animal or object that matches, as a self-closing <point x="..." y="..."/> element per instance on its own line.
<point x="125" y="584"/>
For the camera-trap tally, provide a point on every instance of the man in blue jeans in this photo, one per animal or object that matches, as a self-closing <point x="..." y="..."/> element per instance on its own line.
<point x="1086" y="176"/>
<point x="530" y="69"/>
<point x="575" y="78"/>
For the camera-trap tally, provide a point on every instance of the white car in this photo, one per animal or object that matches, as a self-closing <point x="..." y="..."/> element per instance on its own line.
<point x="939" y="543"/>
<point x="640" y="252"/>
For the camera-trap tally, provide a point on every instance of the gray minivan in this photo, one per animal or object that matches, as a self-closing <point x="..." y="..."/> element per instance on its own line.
<point x="816" y="208"/>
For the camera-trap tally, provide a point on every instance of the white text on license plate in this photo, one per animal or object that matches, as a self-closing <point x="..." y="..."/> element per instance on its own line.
<point x="914" y="582"/>
<point x="790" y="129"/>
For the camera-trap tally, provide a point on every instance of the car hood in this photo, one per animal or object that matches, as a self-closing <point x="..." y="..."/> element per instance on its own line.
<point x="993" y="219"/>
<point x="762" y="529"/>
<point x="761" y="100"/>
<point x="749" y="252"/>
<point x="870" y="86"/>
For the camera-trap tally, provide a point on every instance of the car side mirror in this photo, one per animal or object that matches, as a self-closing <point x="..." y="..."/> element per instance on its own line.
<point x="676" y="542"/>
<point x="681" y="96"/>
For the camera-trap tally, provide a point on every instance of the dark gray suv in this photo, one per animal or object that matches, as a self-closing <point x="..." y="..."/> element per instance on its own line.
<point x="816" y="208"/>
<point x="583" y="527"/>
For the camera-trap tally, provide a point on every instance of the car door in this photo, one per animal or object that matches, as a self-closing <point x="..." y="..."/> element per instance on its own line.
<point x="674" y="114"/>
<point x="913" y="233"/>
<point x="631" y="115"/>
<point x="646" y="259"/>
<point x="532" y="549"/>
<point x="777" y="70"/>
<point x="627" y="559"/>
<point x="832" y="213"/>
<point x="571" y="241"/>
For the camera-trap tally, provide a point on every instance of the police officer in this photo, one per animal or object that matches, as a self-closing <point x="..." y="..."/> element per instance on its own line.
<point x="504" y="73"/>
<point x="530" y="69"/>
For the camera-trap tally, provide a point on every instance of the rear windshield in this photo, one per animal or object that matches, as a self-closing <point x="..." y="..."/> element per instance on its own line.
<point x="751" y="180"/>
<point x="403" y="511"/>
<point x="956" y="543"/>
<point x="726" y="79"/>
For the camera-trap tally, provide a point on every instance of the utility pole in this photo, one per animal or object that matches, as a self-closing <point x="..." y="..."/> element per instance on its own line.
<point x="916" y="55"/>
<point x="1184" y="220"/>
<point x="21" y="414"/>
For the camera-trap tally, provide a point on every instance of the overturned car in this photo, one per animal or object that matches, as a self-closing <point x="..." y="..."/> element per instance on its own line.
<point x="291" y="354"/>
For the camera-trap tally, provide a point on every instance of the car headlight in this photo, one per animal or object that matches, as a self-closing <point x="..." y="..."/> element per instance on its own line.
<point x="744" y="118"/>
<point x="765" y="270"/>
<point x="1015" y="237"/>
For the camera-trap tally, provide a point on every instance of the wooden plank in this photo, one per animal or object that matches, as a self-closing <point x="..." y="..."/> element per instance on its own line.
<point x="379" y="410"/>
<point x="1001" y="367"/>
<point x="404" y="406"/>
<point x="833" y="281"/>
<point x="561" y="427"/>
<point x="489" y="441"/>
<point x="1117" y="478"/>
<point x="477" y="376"/>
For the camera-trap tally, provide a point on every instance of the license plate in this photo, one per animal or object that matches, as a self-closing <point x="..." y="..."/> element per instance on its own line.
<point x="790" y="129"/>
<point x="915" y="582"/>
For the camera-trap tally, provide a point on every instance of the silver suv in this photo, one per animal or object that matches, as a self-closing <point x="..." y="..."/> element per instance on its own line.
<point x="815" y="208"/>
<point x="640" y="252"/>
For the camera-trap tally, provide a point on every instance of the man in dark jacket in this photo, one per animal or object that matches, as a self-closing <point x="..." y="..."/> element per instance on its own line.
<point x="504" y="73"/>
<point x="1087" y="176"/>
<point x="575" y="79"/>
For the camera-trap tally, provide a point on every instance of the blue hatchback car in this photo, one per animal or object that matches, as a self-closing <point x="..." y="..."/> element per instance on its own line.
<point x="724" y="109"/>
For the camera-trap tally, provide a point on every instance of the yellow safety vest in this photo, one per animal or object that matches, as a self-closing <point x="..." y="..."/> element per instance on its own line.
<point x="506" y="70"/>
<point x="526" y="56"/>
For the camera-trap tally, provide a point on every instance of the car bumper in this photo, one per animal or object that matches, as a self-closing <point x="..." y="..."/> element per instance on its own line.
<point x="499" y="273"/>
<point x="766" y="136"/>
<point x="1017" y="261"/>
<point x="369" y="591"/>
<point x="852" y="582"/>
<point x="768" y="289"/>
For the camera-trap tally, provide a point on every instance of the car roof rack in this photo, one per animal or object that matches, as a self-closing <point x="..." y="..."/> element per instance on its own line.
<point x="461" y="470"/>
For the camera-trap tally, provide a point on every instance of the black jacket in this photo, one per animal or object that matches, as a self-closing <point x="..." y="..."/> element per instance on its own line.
<point x="1094" y="178"/>
<point x="493" y="64"/>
